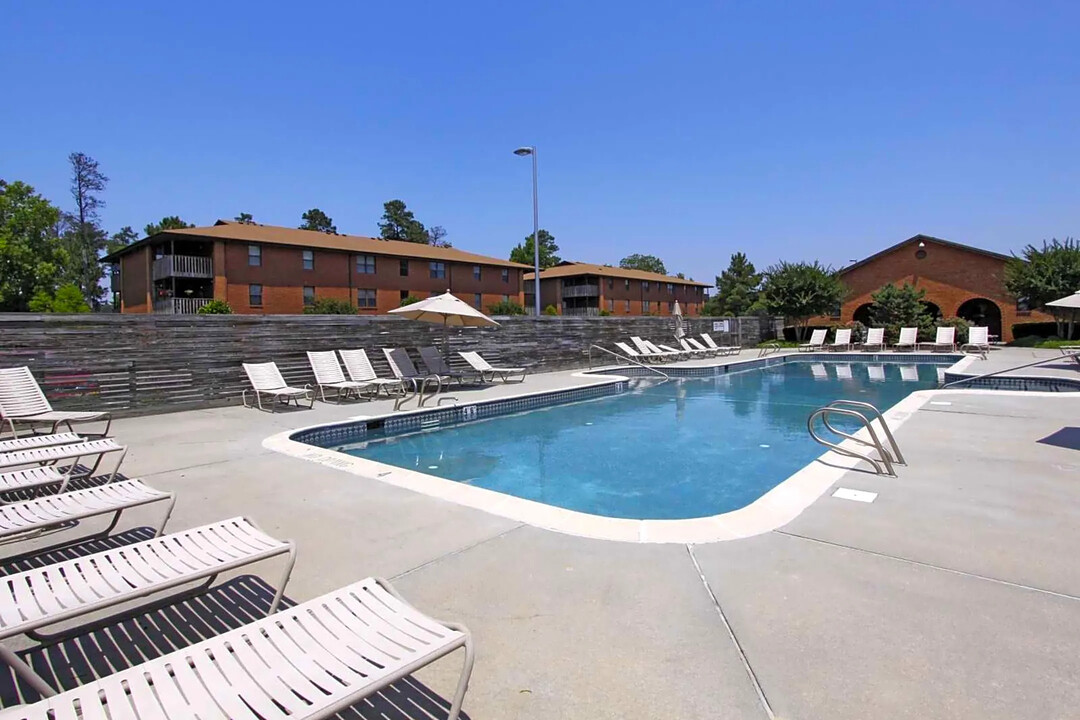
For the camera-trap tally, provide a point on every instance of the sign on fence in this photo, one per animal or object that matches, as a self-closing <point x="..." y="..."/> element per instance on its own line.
<point x="721" y="326"/>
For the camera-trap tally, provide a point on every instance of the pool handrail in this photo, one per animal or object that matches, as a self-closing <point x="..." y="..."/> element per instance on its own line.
<point x="884" y="459"/>
<point x="1009" y="369"/>
<point x="627" y="359"/>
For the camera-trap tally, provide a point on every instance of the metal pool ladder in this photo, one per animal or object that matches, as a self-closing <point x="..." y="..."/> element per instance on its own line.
<point x="866" y="414"/>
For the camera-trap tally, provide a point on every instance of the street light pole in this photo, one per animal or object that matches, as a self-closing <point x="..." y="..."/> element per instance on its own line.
<point x="522" y="152"/>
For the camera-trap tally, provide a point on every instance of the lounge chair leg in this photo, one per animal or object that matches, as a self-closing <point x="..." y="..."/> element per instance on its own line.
<point x="466" y="672"/>
<point x="168" y="514"/>
<point x="289" y="563"/>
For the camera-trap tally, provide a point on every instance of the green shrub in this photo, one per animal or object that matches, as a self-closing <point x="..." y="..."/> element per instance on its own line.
<point x="551" y="310"/>
<point x="409" y="300"/>
<point x="215" y="307"/>
<point x="960" y="324"/>
<point x="506" y="307"/>
<point x="67" y="299"/>
<point x="605" y="313"/>
<point x="330" y="306"/>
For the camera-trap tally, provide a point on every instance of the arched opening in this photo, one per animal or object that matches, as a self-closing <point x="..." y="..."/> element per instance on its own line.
<point x="862" y="314"/>
<point x="933" y="310"/>
<point x="983" y="312"/>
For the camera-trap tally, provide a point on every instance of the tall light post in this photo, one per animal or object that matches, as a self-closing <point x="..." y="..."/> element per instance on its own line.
<point x="522" y="152"/>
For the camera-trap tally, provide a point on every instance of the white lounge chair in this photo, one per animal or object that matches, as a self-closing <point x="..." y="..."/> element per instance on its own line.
<point x="909" y="339"/>
<point x="22" y="401"/>
<point x="641" y="357"/>
<point x="328" y="375"/>
<point x="27" y="442"/>
<point x="695" y="351"/>
<point x="644" y="346"/>
<point x="875" y="339"/>
<point x="314" y="660"/>
<point x="944" y="340"/>
<point x="38" y="466"/>
<point x="978" y="341"/>
<point x="841" y="339"/>
<point x="403" y="368"/>
<point x="488" y="370"/>
<point x="360" y="370"/>
<point x="37" y="598"/>
<point x="437" y="365"/>
<point x="876" y="373"/>
<point x="721" y="349"/>
<point x="266" y="379"/>
<point x="817" y="341"/>
<point x="695" y="344"/>
<point x="23" y="519"/>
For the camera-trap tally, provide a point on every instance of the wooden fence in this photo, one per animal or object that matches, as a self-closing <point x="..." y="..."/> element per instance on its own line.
<point x="137" y="364"/>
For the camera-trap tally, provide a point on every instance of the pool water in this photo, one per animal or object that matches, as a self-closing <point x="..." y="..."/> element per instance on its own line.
<point x="678" y="449"/>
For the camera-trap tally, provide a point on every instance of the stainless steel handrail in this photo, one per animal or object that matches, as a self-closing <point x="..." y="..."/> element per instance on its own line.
<point x="419" y="388"/>
<point x="897" y="456"/>
<point x="1001" y="372"/>
<point x="627" y="359"/>
<point x="884" y="460"/>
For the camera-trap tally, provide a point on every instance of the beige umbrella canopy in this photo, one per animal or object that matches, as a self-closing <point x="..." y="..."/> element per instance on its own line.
<point x="445" y="310"/>
<point x="680" y="331"/>
<point x="1066" y="309"/>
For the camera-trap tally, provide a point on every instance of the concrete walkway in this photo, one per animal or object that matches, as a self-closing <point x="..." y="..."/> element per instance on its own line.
<point x="954" y="595"/>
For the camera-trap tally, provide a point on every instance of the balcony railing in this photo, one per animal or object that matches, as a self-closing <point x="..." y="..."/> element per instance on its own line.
<point x="183" y="266"/>
<point x="569" y="291"/>
<point x="180" y="305"/>
<point x="590" y="311"/>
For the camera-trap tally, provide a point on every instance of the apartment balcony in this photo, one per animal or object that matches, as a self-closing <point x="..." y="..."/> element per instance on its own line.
<point x="180" y="305"/>
<point x="581" y="311"/>
<point x="573" y="291"/>
<point x="183" y="266"/>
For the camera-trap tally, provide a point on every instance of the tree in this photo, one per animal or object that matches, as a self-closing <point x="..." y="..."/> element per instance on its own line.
<point x="1045" y="274"/>
<point x="737" y="288"/>
<point x="170" y="222"/>
<point x="896" y="307"/>
<point x="245" y="219"/>
<point x="67" y="299"/>
<point x="31" y="253"/>
<point x="648" y="263"/>
<point x="524" y="252"/>
<point x="215" y="307"/>
<point x="399" y="223"/>
<point x="330" y="306"/>
<point x="409" y="300"/>
<point x="315" y="219"/>
<point x="800" y="291"/>
<point x="85" y="240"/>
<point x="121" y="239"/>
<point x="436" y="235"/>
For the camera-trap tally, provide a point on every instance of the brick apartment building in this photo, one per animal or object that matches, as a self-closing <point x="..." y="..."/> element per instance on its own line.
<point x="959" y="280"/>
<point x="277" y="270"/>
<point x="583" y="289"/>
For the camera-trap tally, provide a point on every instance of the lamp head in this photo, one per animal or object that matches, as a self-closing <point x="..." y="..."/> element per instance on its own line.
<point x="523" y="151"/>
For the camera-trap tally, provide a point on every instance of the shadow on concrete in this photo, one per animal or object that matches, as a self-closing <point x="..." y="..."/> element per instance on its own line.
<point x="105" y="646"/>
<point x="1066" y="437"/>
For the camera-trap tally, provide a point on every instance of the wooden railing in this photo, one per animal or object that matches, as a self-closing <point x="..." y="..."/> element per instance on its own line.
<point x="180" y="305"/>
<point x="185" y="266"/>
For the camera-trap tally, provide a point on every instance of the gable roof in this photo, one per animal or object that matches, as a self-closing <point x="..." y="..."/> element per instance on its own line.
<point x="571" y="269"/>
<point x="294" y="237"/>
<point x="926" y="239"/>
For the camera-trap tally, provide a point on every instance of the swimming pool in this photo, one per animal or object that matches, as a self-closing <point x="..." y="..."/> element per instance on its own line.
<point x="684" y="448"/>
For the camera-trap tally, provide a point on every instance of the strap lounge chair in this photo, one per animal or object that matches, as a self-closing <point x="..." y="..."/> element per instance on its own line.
<point x="360" y="370"/>
<point x="1071" y="351"/>
<point x="488" y="370"/>
<point x="437" y="365"/>
<point x="645" y="346"/>
<point x="44" y="469"/>
<point x="22" y="401"/>
<point x="978" y="341"/>
<point x="402" y="366"/>
<point x="314" y="660"/>
<point x="24" y="519"/>
<point x="875" y="339"/>
<point x="41" y="597"/>
<point x="328" y="375"/>
<point x="266" y="380"/>
<point x="909" y="339"/>
<point x="28" y="442"/>
<point x="945" y="340"/>
<point x="817" y="341"/>
<point x="841" y="340"/>
<point x="646" y="357"/>
<point x="699" y="351"/>
<point x="721" y="349"/>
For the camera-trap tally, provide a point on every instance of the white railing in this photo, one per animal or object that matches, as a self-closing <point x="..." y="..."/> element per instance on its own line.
<point x="580" y="291"/>
<point x="589" y="311"/>
<point x="180" y="306"/>
<point x="185" y="266"/>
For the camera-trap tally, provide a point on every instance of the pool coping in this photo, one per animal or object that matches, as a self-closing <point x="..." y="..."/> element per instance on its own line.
<point x="777" y="507"/>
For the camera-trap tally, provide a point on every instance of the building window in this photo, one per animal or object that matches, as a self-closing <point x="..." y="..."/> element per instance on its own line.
<point x="476" y="272"/>
<point x="645" y="306"/>
<point x="437" y="270"/>
<point x="1023" y="305"/>
<point x="671" y="289"/>
<point x="365" y="298"/>
<point x="611" y="283"/>
<point x="403" y="268"/>
<point x="506" y="274"/>
<point x="309" y="295"/>
<point x="477" y="301"/>
<point x="835" y="311"/>
<point x="254" y="255"/>
<point x="365" y="264"/>
<point x="627" y="303"/>
<point x="627" y="281"/>
<point x="255" y="295"/>
<point x="309" y="259"/>
<point x="610" y="304"/>
<point x="644" y="286"/>
<point x="506" y="298"/>
<point x="671" y="307"/>
<point x="404" y="295"/>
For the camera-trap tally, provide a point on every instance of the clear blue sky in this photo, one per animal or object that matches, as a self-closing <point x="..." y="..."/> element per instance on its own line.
<point x="787" y="130"/>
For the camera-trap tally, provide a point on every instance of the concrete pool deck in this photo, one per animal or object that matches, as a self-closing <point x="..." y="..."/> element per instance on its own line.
<point x="953" y="594"/>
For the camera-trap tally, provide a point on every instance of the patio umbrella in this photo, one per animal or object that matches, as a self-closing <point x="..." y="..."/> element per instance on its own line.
<point x="676" y="313"/>
<point x="1066" y="307"/>
<point x="445" y="310"/>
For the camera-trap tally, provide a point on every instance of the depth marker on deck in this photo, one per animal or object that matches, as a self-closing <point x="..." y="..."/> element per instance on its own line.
<point x="856" y="495"/>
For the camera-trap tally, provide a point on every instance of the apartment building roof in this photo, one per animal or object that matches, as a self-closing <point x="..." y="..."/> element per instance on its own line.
<point x="571" y="269"/>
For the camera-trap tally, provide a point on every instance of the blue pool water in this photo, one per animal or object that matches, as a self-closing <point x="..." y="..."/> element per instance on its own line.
<point x="664" y="450"/>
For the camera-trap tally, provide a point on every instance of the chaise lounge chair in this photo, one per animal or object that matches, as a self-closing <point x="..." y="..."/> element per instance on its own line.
<point x="909" y="338"/>
<point x="645" y="346"/>
<point x="875" y="339"/>
<point x="22" y="401"/>
<point x="817" y="341"/>
<point x="488" y="370"/>
<point x="646" y="357"/>
<point x="266" y="380"/>
<point x="978" y="341"/>
<point x="1071" y="351"/>
<point x="721" y="349"/>
<point x="841" y="339"/>
<point x="328" y="375"/>
<point x="360" y="370"/>
<point x="38" y="465"/>
<point x="695" y="344"/>
<point x="945" y="340"/>
<point x="437" y="365"/>
<point x="695" y="351"/>
<point x="28" y="442"/>
<point x="402" y="366"/>
<point x="314" y="660"/>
